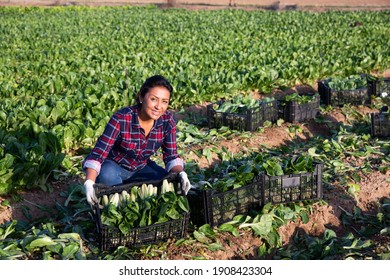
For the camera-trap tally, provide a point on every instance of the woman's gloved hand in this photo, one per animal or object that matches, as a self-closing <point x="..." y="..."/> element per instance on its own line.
<point x="90" y="192"/>
<point x="184" y="182"/>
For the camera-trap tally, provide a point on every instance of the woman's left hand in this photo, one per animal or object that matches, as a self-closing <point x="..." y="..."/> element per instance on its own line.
<point x="184" y="182"/>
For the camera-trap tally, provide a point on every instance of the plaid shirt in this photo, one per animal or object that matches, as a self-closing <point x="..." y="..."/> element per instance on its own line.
<point x="123" y="141"/>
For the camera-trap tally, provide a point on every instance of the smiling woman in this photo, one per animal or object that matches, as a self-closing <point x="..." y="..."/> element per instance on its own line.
<point x="132" y="135"/>
<point x="153" y="103"/>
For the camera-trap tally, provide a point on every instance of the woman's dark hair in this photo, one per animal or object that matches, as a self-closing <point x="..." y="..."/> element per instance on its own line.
<point x="152" y="82"/>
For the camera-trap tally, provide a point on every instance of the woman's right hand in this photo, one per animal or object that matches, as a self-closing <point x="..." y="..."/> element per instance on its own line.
<point x="184" y="182"/>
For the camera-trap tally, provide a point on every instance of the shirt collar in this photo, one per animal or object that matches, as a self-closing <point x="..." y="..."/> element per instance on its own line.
<point x="135" y="122"/>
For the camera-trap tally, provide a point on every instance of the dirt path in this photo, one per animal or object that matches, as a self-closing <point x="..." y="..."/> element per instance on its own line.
<point x="319" y="5"/>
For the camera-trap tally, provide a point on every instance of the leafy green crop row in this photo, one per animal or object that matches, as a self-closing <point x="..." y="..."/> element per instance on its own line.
<point x="64" y="70"/>
<point x="72" y="64"/>
<point x="27" y="160"/>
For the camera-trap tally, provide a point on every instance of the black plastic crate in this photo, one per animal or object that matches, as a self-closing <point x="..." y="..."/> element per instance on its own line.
<point x="250" y="120"/>
<point x="215" y="208"/>
<point x="378" y="85"/>
<point x="292" y="111"/>
<point x="111" y="237"/>
<point x="292" y="188"/>
<point x="380" y="124"/>
<point x="338" y="98"/>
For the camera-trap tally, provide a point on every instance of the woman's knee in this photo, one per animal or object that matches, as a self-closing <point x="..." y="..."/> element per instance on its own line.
<point x="109" y="174"/>
<point x="151" y="171"/>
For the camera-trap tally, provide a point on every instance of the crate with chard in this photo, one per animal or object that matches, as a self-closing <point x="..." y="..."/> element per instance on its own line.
<point x="294" y="179"/>
<point x="299" y="107"/>
<point x="337" y="91"/>
<point x="379" y="87"/>
<point x="243" y="113"/>
<point x="219" y="199"/>
<point x="140" y="213"/>
<point x="380" y="123"/>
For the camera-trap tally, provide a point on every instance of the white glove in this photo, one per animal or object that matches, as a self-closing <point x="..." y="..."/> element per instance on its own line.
<point x="184" y="182"/>
<point x="90" y="192"/>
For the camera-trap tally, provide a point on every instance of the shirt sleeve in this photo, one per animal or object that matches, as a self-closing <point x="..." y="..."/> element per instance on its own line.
<point x="104" y="145"/>
<point x="169" y="147"/>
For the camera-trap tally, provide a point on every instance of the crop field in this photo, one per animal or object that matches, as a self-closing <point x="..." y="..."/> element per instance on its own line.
<point x="65" y="70"/>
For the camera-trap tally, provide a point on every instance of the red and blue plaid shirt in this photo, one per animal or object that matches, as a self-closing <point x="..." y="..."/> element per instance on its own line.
<point x="124" y="142"/>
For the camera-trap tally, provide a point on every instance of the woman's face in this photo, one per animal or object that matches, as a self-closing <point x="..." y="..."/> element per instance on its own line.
<point x="155" y="102"/>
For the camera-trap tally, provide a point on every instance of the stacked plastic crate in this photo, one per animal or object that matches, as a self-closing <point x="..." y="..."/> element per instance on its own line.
<point x="245" y="118"/>
<point x="214" y="207"/>
<point x="379" y="87"/>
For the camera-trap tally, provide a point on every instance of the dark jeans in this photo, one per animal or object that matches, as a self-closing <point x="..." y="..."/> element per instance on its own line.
<point x="112" y="174"/>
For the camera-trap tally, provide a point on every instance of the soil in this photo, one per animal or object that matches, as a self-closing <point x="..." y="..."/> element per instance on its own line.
<point x="373" y="187"/>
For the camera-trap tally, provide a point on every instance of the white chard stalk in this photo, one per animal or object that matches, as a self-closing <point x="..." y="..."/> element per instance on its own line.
<point x="167" y="186"/>
<point x="145" y="191"/>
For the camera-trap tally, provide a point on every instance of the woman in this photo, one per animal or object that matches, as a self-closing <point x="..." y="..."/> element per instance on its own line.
<point x="132" y="135"/>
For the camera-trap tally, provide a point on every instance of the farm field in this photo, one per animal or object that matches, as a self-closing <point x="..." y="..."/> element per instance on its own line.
<point x="64" y="70"/>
